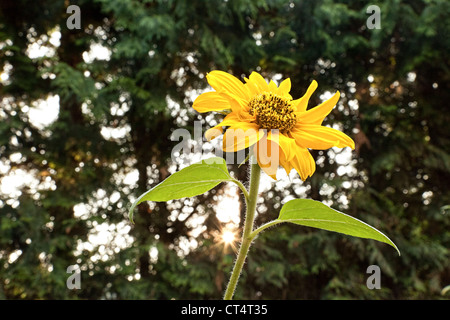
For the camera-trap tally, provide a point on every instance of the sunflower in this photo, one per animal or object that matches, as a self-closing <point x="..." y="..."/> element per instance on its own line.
<point x="264" y="116"/>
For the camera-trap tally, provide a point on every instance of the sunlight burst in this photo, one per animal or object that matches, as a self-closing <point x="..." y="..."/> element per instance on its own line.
<point x="228" y="236"/>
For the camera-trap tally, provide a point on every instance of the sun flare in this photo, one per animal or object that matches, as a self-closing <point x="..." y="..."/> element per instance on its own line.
<point x="228" y="237"/>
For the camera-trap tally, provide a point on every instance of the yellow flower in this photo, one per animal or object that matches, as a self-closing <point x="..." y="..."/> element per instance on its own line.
<point x="265" y="117"/>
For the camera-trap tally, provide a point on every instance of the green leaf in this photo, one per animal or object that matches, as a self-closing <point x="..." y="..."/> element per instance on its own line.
<point x="188" y="182"/>
<point x="315" y="214"/>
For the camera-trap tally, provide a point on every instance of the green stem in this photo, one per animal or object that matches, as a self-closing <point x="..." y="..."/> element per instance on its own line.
<point x="264" y="226"/>
<point x="255" y="174"/>
<point x="241" y="186"/>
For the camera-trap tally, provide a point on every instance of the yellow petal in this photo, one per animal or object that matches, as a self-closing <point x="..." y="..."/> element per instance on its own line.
<point x="303" y="163"/>
<point x="258" y="81"/>
<point x="273" y="151"/>
<point x="240" y="108"/>
<point x="268" y="155"/>
<point x="284" y="142"/>
<point x="225" y="82"/>
<point x="320" y="138"/>
<point x="285" y="87"/>
<point x="240" y="136"/>
<point x="244" y="116"/>
<point x="252" y="87"/>
<point x="237" y="103"/>
<point x="273" y="87"/>
<point x="211" y="101"/>
<point x="302" y="103"/>
<point x="287" y="165"/>
<point x="317" y="114"/>
<point x="214" y="132"/>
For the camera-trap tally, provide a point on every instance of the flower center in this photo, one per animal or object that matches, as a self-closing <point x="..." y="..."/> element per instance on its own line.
<point x="273" y="112"/>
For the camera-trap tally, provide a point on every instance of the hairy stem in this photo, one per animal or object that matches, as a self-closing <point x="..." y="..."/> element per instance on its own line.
<point x="264" y="226"/>
<point x="255" y="174"/>
<point x="241" y="186"/>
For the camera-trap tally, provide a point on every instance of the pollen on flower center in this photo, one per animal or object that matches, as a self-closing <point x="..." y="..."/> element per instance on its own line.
<point x="273" y="112"/>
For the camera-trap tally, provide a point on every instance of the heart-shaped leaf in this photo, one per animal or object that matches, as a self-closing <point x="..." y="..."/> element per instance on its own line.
<point x="315" y="214"/>
<point x="188" y="182"/>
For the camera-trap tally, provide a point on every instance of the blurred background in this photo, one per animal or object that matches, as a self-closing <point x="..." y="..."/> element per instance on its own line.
<point x="86" y="117"/>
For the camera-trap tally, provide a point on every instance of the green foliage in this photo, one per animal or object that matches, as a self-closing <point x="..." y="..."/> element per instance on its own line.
<point x="315" y="214"/>
<point x="192" y="181"/>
